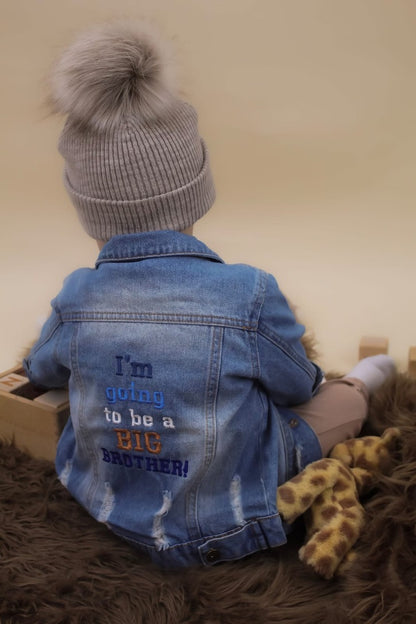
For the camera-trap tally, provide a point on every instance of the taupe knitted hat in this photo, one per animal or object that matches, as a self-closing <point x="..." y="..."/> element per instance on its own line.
<point x="134" y="160"/>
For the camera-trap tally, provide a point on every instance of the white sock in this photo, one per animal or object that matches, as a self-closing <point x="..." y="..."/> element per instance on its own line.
<point x="373" y="371"/>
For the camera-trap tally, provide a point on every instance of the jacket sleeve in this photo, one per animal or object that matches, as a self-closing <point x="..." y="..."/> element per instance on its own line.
<point x="285" y="372"/>
<point x="42" y="365"/>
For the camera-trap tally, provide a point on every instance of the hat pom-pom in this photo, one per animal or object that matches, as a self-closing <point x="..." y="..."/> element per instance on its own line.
<point x="114" y="72"/>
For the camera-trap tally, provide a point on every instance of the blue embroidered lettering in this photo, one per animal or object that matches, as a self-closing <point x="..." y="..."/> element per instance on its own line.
<point x="176" y="467"/>
<point x="115" y="458"/>
<point x="134" y="395"/>
<point x="138" y="369"/>
<point x="158" y="400"/>
<point x="127" y="460"/>
<point x="151" y="464"/>
<point x="119" y="366"/>
<point x="144" y="396"/>
<point x="110" y="393"/>
<point x="132" y="391"/>
<point x="123" y="394"/>
<point x="145" y="370"/>
<point x="164" y="465"/>
<point x="106" y="455"/>
<point x="173" y="467"/>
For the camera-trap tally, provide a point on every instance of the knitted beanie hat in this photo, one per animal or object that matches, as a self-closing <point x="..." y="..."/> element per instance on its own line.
<point x="134" y="160"/>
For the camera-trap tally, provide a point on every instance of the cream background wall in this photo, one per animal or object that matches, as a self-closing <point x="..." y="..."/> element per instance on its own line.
<point x="308" y="109"/>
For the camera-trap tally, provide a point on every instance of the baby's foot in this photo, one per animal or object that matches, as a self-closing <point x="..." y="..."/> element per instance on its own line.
<point x="373" y="371"/>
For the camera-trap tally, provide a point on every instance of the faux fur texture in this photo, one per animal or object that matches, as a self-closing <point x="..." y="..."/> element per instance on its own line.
<point x="58" y="566"/>
<point x="111" y="72"/>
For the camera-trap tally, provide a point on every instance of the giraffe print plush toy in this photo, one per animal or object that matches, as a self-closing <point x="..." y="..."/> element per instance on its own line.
<point x="328" y="492"/>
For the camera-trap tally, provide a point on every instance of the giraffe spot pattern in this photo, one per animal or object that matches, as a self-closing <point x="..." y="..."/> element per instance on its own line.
<point x="309" y="550"/>
<point x="341" y="486"/>
<point x="318" y="480"/>
<point x="341" y="548"/>
<point x="287" y="495"/>
<point x="321" y="464"/>
<point x="348" y="502"/>
<point x="368" y="441"/>
<point x="298" y="478"/>
<point x="306" y="500"/>
<point x="329" y="512"/>
<point x="324" y="535"/>
<point x="350" y="514"/>
<point x="345" y="472"/>
<point x="348" y="530"/>
<point x="328" y="546"/>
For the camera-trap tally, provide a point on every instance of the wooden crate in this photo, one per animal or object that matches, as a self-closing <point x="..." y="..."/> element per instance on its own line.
<point x="32" y="417"/>
<point x="372" y="345"/>
<point x="412" y="362"/>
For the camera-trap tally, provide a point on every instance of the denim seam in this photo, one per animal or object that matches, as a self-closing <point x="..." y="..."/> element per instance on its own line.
<point x="181" y="319"/>
<point x="259" y="297"/>
<point x="211" y="394"/>
<point x="283" y="436"/>
<point x="135" y="258"/>
<point x="53" y="330"/>
<point x="287" y="350"/>
<point x="202" y="540"/>
<point x="260" y="455"/>
<point x="258" y="303"/>
<point x="84" y="433"/>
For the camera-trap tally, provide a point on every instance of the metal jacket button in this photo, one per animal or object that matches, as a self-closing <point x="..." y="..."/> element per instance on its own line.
<point x="293" y="423"/>
<point x="213" y="555"/>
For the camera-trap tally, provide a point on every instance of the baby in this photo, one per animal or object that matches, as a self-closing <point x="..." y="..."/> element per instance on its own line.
<point x="191" y="396"/>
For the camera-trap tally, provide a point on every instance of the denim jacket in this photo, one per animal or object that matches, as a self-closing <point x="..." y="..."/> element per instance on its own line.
<point x="181" y="372"/>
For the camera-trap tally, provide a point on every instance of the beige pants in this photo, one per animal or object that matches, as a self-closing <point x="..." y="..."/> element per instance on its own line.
<point x="337" y="412"/>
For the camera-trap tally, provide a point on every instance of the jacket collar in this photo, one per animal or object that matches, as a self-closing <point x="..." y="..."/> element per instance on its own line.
<point x="127" y="247"/>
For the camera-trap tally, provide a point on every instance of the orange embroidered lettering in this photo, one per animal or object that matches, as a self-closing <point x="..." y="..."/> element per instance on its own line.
<point x="153" y="446"/>
<point x="137" y="435"/>
<point x="124" y="439"/>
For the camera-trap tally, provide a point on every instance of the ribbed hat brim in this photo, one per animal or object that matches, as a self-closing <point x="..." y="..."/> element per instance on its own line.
<point x="175" y="210"/>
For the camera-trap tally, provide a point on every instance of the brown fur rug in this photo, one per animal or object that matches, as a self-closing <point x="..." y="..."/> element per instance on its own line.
<point x="60" y="567"/>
